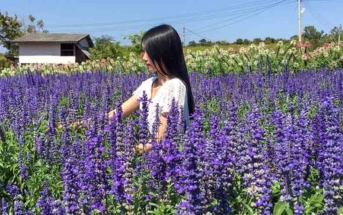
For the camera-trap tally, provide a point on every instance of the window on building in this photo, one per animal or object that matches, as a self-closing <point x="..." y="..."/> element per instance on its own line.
<point x="67" y="49"/>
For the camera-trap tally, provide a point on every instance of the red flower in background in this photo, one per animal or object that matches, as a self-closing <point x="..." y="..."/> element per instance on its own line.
<point x="307" y="44"/>
<point x="326" y="45"/>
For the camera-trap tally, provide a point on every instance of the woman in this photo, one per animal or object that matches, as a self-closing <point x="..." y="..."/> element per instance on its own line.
<point x="163" y="55"/>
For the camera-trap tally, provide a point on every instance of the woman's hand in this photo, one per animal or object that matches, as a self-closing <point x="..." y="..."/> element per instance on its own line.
<point x="139" y="148"/>
<point x="79" y="125"/>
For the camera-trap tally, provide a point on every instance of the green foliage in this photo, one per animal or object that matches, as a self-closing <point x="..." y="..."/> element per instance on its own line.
<point x="257" y="40"/>
<point x="239" y="41"/>
<point x="192" y="43"/>
<point x="10" y="29"/>
<point x="246" y="42"/>
<point x="269" y="40"/>
<point x="105" y="47"/>
<point x="136" y="40"/>
<point x="204" y="42"/>
<point x="4" y="62"/>
<point x="33" y="26"/>
<point x="313" y="35"/>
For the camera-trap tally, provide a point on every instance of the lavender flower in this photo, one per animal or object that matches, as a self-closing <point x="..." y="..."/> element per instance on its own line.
<point x="191" y="172"/>
<point x="331" y="158"/>
<point x="157" y="122"/>
<point x="65" y="134"/>
<point x="143" y="120"/>
<point x="211" y="160"/>
<point x="257" y="177"/>
<point x="128" y="176"/>
<point x="4" y="207"/>
<point x="156" y="162"/>
<point x="94" y="180"/>
<point x="171" y="143"/>
<point x="58" y="208"/>
<point x="23" y="169"/>
<point x="300" y="139"/>
<point x="218" y="166"/>
<point x="18" y="206"/>
<point x="12" y="189"/>
<point x="45" y="202"/>
<point x="119" y="159"/>
<point x="70" y="173"/>
<point x="283" y="153"/>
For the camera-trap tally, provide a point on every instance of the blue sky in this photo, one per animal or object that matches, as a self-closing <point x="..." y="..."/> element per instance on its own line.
<point x="213" y="20"/>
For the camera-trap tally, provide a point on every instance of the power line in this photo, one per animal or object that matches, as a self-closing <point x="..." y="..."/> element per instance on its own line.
<point x="207" y="17"/>
<point x="190" y="15"/>
<point x="196" y="34"/>
<point x="247" y="17"/>
<point x="317" y="16"/>
<point x="203" y="16"/>
<point x="241" y="15"/>
<point x="257" y="11"/>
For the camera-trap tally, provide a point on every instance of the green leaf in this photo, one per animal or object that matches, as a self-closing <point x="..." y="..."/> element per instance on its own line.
<point x="249" y="208"/>
<point x="279" y="208"/>
<point x="289" y="211"/>
<point x="275" y="188"/>
<point x="340" y="211"/>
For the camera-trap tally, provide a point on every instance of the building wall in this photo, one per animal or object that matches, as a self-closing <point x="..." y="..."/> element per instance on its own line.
<point x="43" y="53"/>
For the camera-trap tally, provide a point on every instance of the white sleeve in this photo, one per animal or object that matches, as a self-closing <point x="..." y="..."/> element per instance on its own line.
<point x="139" y="91"/>
<point x="177" y="90"/>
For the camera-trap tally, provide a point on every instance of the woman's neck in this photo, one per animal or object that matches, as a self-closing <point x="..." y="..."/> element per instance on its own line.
<point x="161" y="79"/>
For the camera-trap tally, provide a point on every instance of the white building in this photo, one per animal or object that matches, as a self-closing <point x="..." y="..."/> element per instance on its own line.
<point x="53" y="48"/>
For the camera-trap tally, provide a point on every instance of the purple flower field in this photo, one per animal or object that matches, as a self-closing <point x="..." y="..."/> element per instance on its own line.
<point x="256" y="145"/>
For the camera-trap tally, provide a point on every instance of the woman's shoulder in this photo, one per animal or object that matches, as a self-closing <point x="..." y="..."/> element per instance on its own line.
<point x="176" y="83"/>
<point x="149" y="80"/>
<point x="144" y="86"/>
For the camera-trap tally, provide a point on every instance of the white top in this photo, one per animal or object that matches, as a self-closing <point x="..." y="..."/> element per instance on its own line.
<point x="172" y="88"/>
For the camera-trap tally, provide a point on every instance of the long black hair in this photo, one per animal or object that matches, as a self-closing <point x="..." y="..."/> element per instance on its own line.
<point x="163" y="45"/>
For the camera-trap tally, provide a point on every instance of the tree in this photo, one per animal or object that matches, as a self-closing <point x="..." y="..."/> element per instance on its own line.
<point x="257" y="40"/>
<point x="192" y="43"/>
<point x="10" y="29"/>
<point x="239" y="41"/>
<point x="294" y="37"/>
<point x="105" y="47"/>
<point x="209" y="43"/>
<point x="269" y="40"/>
<point x="4" y="63"/>
<point x="313" y="35"/>
<point x="222" y="42"/>
<point x="136" y="40"/>
<point x="203" y="42"/>
<point x="32" y="26"/>
<point x="336" y="32"/>
<point x="246" y="42"/>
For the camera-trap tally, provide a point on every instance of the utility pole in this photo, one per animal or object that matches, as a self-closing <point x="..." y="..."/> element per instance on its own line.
<point x="299" y="20"/>
<point x="184" y="36"/>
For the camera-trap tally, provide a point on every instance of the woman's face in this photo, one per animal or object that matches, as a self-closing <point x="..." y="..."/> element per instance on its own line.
<point x="148" y="62"/>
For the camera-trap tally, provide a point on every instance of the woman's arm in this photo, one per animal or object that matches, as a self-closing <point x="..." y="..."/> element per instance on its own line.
<point x="128" y="107"/>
